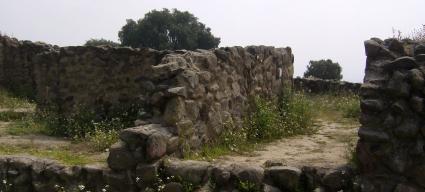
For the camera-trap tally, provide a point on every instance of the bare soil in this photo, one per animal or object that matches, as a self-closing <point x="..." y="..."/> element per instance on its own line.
<point x="327" y="148"/>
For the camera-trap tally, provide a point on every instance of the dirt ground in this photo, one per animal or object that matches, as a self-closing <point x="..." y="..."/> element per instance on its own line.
<point x="327" y="148"/>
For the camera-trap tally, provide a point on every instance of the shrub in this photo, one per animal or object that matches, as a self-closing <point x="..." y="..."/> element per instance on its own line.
<point x="103" y="139"/>
<point x="266" y="121"/>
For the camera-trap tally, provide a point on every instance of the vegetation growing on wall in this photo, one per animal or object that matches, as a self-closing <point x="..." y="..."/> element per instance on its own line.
<point x="101" y="42"/>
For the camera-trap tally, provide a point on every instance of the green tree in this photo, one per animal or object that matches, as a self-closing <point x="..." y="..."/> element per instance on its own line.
<point x="100" y="42"/>
<point x="324" y="69"/>
<point x="168" y="30"/>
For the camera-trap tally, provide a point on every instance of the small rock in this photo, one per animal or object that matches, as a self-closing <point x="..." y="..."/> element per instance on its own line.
<point x="172" y="145"/>
<point x="373" y="105"/>
<point x="406" y="188"/>
<point x="416" y="78"/>
<point x="177" y="91"/>
<point x="146" y="174"/>
<point x="120" y="158"/>
<point x="372" y="135"/>
<point x="417" y="103"/>
<point x="195" y="172"/>
<point x="156" y="146"/>
<point x="269" y="188"/>
<point x="272" y="163"/>
<point x="173" y="187"/>
<point x="339" y="179"/>
<point x="419" y="49"/>
<point x="250" y="174"/>
<point x="402" y="63"/>
<point x="285" y="178"/>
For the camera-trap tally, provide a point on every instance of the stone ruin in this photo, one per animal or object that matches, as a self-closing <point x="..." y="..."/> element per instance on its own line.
<point x="189" y="94"/>
<point x="391" y="149"/>
<point x="186" y="96"/>
<point x="320" y="86"/>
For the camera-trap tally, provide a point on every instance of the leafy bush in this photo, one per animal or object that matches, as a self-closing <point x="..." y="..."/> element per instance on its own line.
<point x="324" y="69"/>
<point x="167" y="29"/>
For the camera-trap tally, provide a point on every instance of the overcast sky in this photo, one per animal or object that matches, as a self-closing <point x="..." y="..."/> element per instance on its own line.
<point x="315" y="29"/>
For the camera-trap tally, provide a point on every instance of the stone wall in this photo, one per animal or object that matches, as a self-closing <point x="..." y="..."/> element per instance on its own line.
<point x="188" y="93"/>
<point x="391" y="149"/>
<point x="318" y="86"/>
<point x="30" y="174"/>
<point x="16" y="65"/>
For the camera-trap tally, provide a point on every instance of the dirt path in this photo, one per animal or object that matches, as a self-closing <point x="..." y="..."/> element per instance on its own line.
<point x="327" y="148"/>
<point x="34" y="140"/>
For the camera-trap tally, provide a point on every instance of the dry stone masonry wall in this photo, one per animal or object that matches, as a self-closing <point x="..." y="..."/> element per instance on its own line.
<point x="391" y="149"/>
<point x="183" y="94"/>
<point x="30" y="174"/>
<point x="318" y="86"/>
<point x="17" y="66"/>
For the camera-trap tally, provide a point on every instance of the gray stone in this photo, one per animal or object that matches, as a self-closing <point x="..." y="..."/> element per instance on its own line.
<point x="252" y="174"/>
<point x="416" y="78"/>
<point x="172" y="145"/>
<point x="372" y="135"/>
<point x="177" y="91"/>
<point x="398" y="85"/>
<point x="371" y="105"/>
<point x="408" y="129"/>
<point x="406" y="188"/>
<point x="272" y="163"/>
<point x="374" y="49"/>
<point x="156" y="147"/>
<point x="285" y="178"/>
<point x="221" y="176"/>
<point x="339" y="179"/>
<point x="146" y="174"/>
<point x="174" y="111"/>
<point x="173" y="187"/>
<point x="269" y="188"/>
<point x="195" y="172"/>
<point x="420" y="49"/>
<point x="417" y="104"/>
<point x="420" y="58"/>
<point x="120" y="158"/>
<point x="406" y="63"/>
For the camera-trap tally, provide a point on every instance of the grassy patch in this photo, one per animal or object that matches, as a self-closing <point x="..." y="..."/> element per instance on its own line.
<point x="29" y="124"/>
<point x="266" y="121"/>
<point x="12" y="115"/>
<point x="333" y="106"/>
<point x="62" y="155"/>
<point x="8" y="101"/>
<point x="101" y="140"/>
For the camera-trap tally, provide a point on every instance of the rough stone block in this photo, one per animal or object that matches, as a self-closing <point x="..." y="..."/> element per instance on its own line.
<point x="286" y="178"/>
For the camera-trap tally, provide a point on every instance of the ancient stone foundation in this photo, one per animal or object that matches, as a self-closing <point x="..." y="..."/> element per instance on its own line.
<point x="29" y="174"/>
<point x="190" y="94"/>
<point x="391" y="149"/>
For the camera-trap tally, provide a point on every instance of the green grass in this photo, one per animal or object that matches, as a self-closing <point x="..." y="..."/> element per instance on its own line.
<point x="334" y="107"/>
<point x="266" y="121"/>
<point x="27" y="125"/>
<point x="8" y="101"/>
<point x="9" y="115"/>
<point x="62" y="155"/>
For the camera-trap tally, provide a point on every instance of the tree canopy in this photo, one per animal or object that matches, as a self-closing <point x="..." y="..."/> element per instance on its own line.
<point x="100" y="42"/>
<point x="324" y="69"/>
<point x="168" y="30"/>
